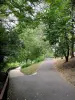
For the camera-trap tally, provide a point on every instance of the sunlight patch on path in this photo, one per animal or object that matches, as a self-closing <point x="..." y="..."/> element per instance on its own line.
<point x="18" y="68"/>
<point x="34" y="73"/>
<point x="16" y="72"/>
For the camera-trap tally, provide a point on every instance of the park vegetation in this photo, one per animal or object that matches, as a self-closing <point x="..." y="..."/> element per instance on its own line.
<point x="31" y="30"/>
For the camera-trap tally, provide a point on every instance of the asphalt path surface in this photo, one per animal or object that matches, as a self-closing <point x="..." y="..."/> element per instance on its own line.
<point x="45" y="84"/>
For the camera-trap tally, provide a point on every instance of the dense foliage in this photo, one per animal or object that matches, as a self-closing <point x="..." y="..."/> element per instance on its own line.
<point x="21" y="33"/>
<point x="59" y="22"/>
<point x="26" y="27"/>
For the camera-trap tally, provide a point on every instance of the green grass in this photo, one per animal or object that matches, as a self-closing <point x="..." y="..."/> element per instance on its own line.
<point x="31" y="69"/>
<point x="10" y="65"/>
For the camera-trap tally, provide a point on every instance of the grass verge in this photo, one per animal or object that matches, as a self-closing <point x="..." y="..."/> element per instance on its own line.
<point x="10" y="66"/>
<point x="66" y="69"/>
<point x="31" y="69"/>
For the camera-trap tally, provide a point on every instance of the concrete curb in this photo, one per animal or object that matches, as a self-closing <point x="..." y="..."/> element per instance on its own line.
<point x="4" y="88"/>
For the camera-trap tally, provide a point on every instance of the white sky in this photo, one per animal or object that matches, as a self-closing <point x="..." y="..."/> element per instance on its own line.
<point x="10" y="22"/>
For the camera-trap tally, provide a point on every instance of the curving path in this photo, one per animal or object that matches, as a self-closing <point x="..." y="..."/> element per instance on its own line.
<point x="46" y="84"/>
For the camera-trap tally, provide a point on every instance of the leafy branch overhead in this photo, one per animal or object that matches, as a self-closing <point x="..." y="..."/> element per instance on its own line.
<point x="59" y="24"/>
<point x="33" y="28"/>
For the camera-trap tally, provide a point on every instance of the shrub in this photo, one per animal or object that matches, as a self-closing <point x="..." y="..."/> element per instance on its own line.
<point x="41" y="58"/>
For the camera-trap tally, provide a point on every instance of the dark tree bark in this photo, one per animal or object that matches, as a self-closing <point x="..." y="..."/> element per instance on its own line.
<point x="67" y="54"/>
<point x="66" y="57"/>
<point x="1" y="58"/>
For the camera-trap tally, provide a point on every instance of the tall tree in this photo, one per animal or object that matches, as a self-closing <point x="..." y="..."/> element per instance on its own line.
<point x="57" y="20"/>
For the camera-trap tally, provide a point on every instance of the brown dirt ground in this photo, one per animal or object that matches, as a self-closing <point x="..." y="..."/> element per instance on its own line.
<point x="66" y="69"/>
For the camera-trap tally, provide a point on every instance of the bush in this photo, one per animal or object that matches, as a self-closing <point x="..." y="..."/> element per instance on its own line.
<point x="41" y="58"/>
<point x="2" y="65"/>
<point x="10" y="66"/>
<point x="25" y="65"/>
<point x="13" y="64"/>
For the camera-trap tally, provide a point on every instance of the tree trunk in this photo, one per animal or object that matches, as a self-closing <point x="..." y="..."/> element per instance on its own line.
<point x="66" y="57"/>
<point x="1" y="58"/>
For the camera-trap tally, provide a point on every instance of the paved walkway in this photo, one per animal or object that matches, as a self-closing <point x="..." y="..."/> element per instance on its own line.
<point x="46" y="84"/>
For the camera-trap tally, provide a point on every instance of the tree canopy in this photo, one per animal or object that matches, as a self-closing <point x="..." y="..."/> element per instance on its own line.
<point x="32" y="28"/>
<point x="60" y="27"/>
